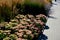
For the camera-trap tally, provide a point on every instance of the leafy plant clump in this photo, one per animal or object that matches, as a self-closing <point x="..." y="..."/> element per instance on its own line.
<point x="31" y="8"/>
<point x="22" y="27"/>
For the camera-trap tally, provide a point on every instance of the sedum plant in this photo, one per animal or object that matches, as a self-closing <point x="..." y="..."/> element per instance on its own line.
<point x="23" y="27"/>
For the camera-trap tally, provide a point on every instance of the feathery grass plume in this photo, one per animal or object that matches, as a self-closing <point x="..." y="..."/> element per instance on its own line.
<point x="6" y="13"/>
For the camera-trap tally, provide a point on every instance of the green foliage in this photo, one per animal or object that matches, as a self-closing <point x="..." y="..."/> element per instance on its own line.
<point x="38" y="25"/>
<point x="2" y="35"/>
<point x="34" y="8"/>
<point x="8" y="26"/>
<point x="13" y="37"/>
<point x="29" y="37"/>
<point x="43" y="19"/>
<point x="19" y="8"/>
<point x="6" y="38"/>
<point x="31" y="8"/>
<point x="6" y="13"/>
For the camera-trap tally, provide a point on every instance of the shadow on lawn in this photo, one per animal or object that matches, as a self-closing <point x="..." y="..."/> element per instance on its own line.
<point x="42" y="37"/>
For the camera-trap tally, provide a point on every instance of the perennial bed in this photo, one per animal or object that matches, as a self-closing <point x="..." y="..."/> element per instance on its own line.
<point x="23" y="27"/>
<point x="22" y="21"/>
